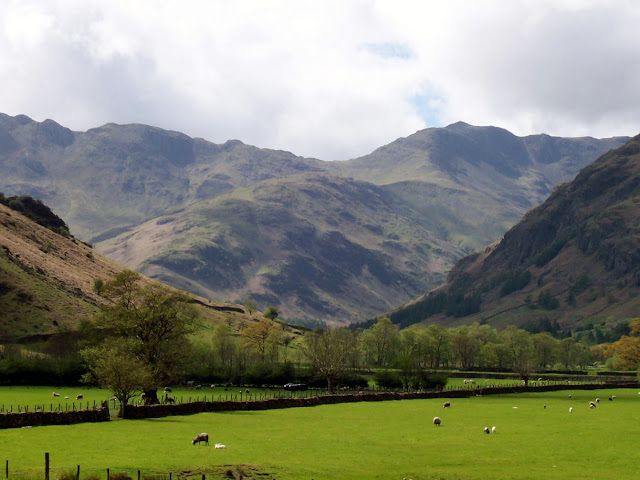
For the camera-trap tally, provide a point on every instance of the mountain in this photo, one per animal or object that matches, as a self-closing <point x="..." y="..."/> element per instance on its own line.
<point x="573" y="263"/>
<point x="234" y="221"/>
<point x="115" y="176"/>
<point x="47" y="279"/>
<point x="475" y="182"/>
<point x="318" y="245"/>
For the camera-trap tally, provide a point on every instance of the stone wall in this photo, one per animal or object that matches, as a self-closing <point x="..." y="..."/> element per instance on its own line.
<point x="35" y="419"/>
<point x="154" y="411"/>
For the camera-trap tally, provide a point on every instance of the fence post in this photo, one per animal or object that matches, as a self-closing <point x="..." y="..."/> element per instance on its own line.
<point x="78" y="472"/>
<point x="204" y="477"/>
<point x="138" y="474"/>
<point x="108" y="474"/>
<point x="46" y="466"/>
<point x="6" y="469"/>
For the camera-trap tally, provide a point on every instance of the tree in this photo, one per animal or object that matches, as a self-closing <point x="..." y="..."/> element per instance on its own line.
<point x="521" y="350"/>
<point x="263" y="337"/>
<point x="380" y="342"/>
<point x="251" y="306"/>
<point x="271" y="313"/>
<point x="546" y="350"/>
<point x="465" y="346"/>
<point x="115" y="367"/>
<point x="158" y="320"/>
<point x="328" y="352"/>
<point x="438" y="345"/>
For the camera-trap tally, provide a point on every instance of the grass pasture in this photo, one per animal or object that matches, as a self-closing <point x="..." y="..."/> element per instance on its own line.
<point x="378" y="440"/>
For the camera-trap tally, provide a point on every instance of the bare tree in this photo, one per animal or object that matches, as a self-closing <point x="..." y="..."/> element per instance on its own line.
<point x="329" y="352"/>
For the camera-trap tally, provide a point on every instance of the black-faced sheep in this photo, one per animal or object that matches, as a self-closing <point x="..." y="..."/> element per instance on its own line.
<point x="592" y="405"/>
<point x="79" y="397"/>
<point x="446" y="404"/>
<point x="201" y="437"/>
<point x="486" y="430"/>
<point x="436" y="421"/>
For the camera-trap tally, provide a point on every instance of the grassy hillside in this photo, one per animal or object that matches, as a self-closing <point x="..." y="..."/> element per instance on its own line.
<point x="47" y="281"/>
<point x="572" y="263"/>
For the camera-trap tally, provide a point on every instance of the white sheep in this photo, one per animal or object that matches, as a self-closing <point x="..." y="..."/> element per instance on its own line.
<point x="493" y="429"/>
<point x="66" y="397"/>
<point x="592" y="405"/>
<point x="55" y="394"/>
<point x="570" y="409"/>
<point x="597" y="400"/>
<point x="437" y="421"/>
<point x="220" y="445"/>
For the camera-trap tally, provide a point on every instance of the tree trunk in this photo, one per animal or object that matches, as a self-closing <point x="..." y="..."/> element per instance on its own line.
<point x="329" y="385"/>
<point x="151" y="397"/>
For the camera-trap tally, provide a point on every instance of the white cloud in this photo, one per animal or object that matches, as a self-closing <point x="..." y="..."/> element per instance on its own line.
<point x="327" y="79"/>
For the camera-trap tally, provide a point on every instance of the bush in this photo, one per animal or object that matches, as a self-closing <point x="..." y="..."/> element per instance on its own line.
<point x="547" y="301"/>
<point x="388" y="379"/>
<point x="352" y="380"/>
<point x="431" y="381"/>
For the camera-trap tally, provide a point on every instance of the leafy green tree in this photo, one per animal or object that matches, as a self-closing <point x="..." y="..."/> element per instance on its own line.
<point x="271" y="313"/>
<point x="157" y="319"/>
<point x="380" y="342"/>
<point x="115" y="367"/>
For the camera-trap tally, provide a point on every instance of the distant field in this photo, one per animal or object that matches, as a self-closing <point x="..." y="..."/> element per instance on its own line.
<point x="381" y="440"/>
<point x="12" y="397"/>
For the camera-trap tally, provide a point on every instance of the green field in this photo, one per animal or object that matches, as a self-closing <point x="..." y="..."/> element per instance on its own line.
<point x="383" y="440"/>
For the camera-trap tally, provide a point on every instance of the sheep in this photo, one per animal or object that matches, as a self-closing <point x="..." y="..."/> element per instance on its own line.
<point x="486" y="430"/>
<point x="66" y="397"/>
<point x="247" y="392"/>
<point x="570" y="409"/>
<point x="167" y="390"/>
<point x="493" y="429"/>
<point x="198" y="387"/>
<point x="79" y="396"/>
<point x="592" y="405"/>
<point x="201" y="437"/>
<point x="55" y="394"/>
<point x="220" y="445"/>
<point x="446" y="404"/>
<point x="570" y="397"/>
<point x="612" y="398"/>
<point x="597" y="400"/>
<point x="437" y="421"/>
<point x="545" y="407"/>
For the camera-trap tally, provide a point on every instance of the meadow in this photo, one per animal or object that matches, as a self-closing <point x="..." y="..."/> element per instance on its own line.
<point x="381" y="440"/>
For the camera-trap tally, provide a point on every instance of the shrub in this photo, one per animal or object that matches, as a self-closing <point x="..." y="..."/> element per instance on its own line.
<point x="388" y="379"/>
<point x="352" y="380"/>
<point x="548" y="301"/>
<point x="515" y="281"/>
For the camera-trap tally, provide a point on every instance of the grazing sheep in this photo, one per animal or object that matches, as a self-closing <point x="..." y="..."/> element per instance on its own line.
<point x="201" y="437"/>
<point x="539" y="379"/>
<point x="592" y="405"/>
<point x="79" y="397"/>
<point x="55" y="394"/>
<point x="570" y="409"/>
<point x="66" y="397"/>
<point x="570" y="397"/>
<point x="612" y="398"/>
<point x="220" y="445"/>
<point x="446" y="404"/>
<point x="486" y="430"/>
<point x="167" y="390"/>
<point x="597" y="400"/>
<point x="247" y="392"/>
<point x="198" y="387"/>
<point x="436" y="421"/>
<point x="493" y="429"/>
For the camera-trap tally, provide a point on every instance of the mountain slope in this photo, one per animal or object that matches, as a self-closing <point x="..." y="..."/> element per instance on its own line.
<point x="319" y="246"/>
<point x="486" y="178"/>
<point x="117" y="175"/>
<point x="572" y="261"/>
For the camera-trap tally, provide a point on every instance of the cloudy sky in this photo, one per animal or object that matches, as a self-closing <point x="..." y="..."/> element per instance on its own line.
<point x="327" y="79"/>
